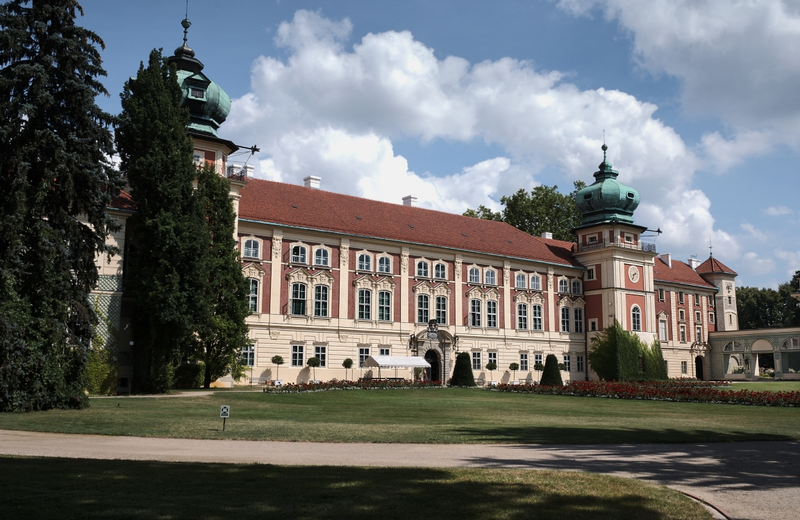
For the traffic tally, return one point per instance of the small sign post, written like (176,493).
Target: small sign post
(224,412)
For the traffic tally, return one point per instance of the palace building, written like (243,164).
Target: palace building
(334,276)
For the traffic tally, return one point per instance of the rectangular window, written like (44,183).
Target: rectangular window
(385,351)
(536,283)
(683,367)
(680,297)
(681,315)
(491,314)
(593,325)
(298,299)
(363,354)
(579,363)
(698,334)
(564,319)
(321,301)
(661,297)
(730,300)
(567,365)
(683,333)
(662,330)
(297,355)
(493,358)
(441,310)
(520,281)
(422,308)
(384,306)
(475,313)
(252,298)
(696,299)
(536,312)
(321,353)
(248,355)
(522,316)
(523,361)
(537,359)
(439,271)
(364,304)
(697,317)
(711,317)
(590,273)
(476,361)
(578,320)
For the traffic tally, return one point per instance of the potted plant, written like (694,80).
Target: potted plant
(491,366)
(514,367)
(313,362)
(278,361)
(347,364)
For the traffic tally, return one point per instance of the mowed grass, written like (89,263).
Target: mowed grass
(88,489)
(768,386)
(418,416)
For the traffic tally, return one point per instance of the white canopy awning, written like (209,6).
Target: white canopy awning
(396,362)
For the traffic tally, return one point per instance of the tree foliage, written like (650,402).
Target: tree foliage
(619,355)
(55,184)
(462,371)
(551,375)
(761,308)
(544,209)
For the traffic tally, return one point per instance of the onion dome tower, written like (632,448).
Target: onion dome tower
(208,104)
(607,200)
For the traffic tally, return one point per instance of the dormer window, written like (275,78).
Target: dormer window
(197,93)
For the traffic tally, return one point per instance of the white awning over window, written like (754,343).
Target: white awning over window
(396,362)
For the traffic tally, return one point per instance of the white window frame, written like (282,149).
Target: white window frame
(684,368)
(590,273)
(440,271)
(662,330)
(563,286)
(476,361)
(698,334)
(522,316)
(423,269)
(536,282)
(661,296)
(321,353)
(441,310)
(384,307)
(423,308)
(537,318)
(711,317)
(253,250)
(298,355)
(578,319)
(249,355)
(363,354)
(474,275)
(636,318)
(567,363)
(579,363)
(385,351)
(322,257)
(299,254)
(491,314)
(523,361)
(321,301)
(364,309)
(252,295)
(576,287)
(492,358)
(682,332)
(520,281)
(538,359)
(490,277)
(364,262)
(299,298)
(565,319)
(475,311)
(384,264)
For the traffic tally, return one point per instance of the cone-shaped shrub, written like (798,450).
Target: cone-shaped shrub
(551,375)
(462,373)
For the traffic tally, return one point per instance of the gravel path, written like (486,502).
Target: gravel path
(747,480)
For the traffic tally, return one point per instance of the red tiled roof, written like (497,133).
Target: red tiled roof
(679,273)
(298,206)
(712,265)
(123,201)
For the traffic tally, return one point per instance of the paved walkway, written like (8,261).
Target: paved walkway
(748,480)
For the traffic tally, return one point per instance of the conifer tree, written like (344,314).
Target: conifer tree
(462,372)
(551,375)
(55,184)
(169,231)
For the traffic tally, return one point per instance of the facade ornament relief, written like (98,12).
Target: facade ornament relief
(404,262)
(276,246)
(252,271)
(458,270)
(506,275)
(344,255)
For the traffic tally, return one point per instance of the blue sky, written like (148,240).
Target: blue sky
(460,104)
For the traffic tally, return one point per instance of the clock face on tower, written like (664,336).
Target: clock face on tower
(633,274)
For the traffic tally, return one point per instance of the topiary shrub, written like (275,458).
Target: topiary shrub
(551,375)
(619,355)
(462,373)
(189,375)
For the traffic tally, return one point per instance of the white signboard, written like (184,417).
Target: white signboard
(225,411)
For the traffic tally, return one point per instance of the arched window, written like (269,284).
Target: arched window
(423,309)
(251,248)
(298,255)
(491,277)
(563,286)
(536,282)
(578,320)
(298,299)
(321,301)
(422,269)
(474,275)
(441,310)
(364,262)
(475,313)
(564,319)
(321,257)
(440,271)
(576,287)
(385,306)
(790,343)
(491,314)
(384,265)
(522,316)
(636,318)
(536,315)
(252,296)
(364,304)
(520,281)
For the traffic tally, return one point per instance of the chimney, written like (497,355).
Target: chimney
(312,181)
(248,170)
(409,200)
(693,263)
(548,235)
(667,258)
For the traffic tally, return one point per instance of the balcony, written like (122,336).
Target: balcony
(641,246)
(238,171)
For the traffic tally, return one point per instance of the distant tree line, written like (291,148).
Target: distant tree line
(761,308)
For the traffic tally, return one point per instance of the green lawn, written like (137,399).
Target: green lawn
(89,489)
(768,386)
(424,416)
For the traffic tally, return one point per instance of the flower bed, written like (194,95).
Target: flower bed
(674,390)
(365,384)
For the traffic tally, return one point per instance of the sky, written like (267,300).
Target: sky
(459,104)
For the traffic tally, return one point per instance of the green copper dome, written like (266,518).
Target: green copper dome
(208,104)
(607,199)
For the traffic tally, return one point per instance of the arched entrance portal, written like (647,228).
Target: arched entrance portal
(434,372)
(698,368)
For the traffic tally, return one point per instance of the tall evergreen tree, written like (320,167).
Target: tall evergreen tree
(222,331)
(169,231)
(55,184)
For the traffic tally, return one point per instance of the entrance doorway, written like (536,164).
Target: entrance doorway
(766,366)
(434,372)
(698,368)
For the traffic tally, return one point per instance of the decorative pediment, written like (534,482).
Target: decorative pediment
(529,297)
(251,270)
(662,315)
(380,283)
(433,289)
(488,294)
(303,275)
(571,301)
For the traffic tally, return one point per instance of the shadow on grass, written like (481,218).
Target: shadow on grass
(78,488)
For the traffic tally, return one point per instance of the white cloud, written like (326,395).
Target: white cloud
(737,59)
(721,153)
(754,233)
(778,211)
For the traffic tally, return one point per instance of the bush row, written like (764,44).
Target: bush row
(683,391)
(366,384)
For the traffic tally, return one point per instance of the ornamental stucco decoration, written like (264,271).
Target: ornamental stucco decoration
(404,262)
(276,247)
(344,255)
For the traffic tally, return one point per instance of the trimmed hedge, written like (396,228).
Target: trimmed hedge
(462,372)
(551,375)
